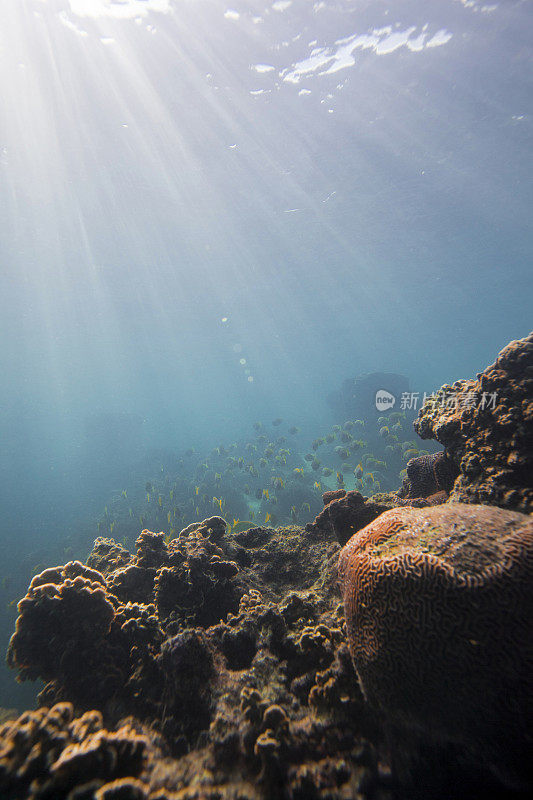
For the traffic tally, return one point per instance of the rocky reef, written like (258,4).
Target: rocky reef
(222,664)
(486,426)
(192,667)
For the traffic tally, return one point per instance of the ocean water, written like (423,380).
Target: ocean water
(212,215)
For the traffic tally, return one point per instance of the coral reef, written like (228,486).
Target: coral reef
(52,755)
(217,663)
(428,476)
(486,426)
(345,513)
(249,686)
(439,604)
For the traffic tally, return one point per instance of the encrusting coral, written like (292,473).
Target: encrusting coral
(486,426)
(248,685)
(52,755)
(439,603)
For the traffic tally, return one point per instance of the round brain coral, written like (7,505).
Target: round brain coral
(439,610)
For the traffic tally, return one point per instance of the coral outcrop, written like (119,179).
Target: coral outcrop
(345,513)
(246,684)
(52,755)
(439,604)
(486,426)
(430,477)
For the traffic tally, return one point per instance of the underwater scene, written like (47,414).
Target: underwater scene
(266,400)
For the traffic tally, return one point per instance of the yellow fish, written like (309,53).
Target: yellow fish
(265,493)
(160,501)
(147,497)
(298,469)
(169,517)
(267,517)
(197,511)
(112,527)
(252,515)
(196,489)
(243,524)
(124,493)
(318,485)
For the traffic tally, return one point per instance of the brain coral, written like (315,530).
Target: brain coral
(486,426)
(439,610)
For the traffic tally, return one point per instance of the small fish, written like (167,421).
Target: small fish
(267,517)
(169,517)
(277,422)
(358,471)
(172,494)
(197,511)
(243,524)
(124,493)
(265,493)
(112,527)
(131,512)
(294,430)
(411,453)
(298,470)
(318,485)
(196,489)
(160,501)
(147,497)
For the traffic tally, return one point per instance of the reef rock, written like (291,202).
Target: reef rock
(47,753)
(346,512)
(486,426)
(430,477)
(439,610)
(247,685)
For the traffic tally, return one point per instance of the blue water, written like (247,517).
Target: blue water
(321,190)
